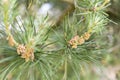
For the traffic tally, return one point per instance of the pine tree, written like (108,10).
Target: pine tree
(38,47)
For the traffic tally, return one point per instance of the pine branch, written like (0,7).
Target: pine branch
(34,50)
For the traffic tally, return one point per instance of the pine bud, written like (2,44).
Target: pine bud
(26,52)
(81,40)
(86,35)
(74,46)
(74,41)
(11,40)
(21,49)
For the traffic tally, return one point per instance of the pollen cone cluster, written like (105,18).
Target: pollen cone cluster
(76,40)
(26,52)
